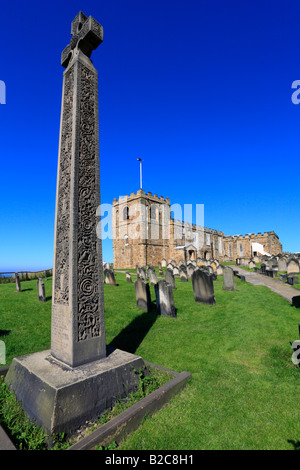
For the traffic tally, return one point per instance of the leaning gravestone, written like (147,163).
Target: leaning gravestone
(164,299)
(203,287)
(128,277)
(169,277)
(143,274)
(75,381)
(228,279)
(41,290)
(142,294)
(109,277)
(152,276)
(18,283)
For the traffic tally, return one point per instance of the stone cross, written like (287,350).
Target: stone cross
(78,327)
(87,35)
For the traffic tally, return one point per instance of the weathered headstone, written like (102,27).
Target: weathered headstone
(152,276)
(128,277)
(220,270)
(143,274)
(142,294)
(164,299)
(292,280)
(282,264)
(170,267)
(163,263)
(292,266)
(176,271)
(190,270)
(109,277)
(251,264)
(263,268)
(41,290)
(203,287)
(183,273)
(18,283)
(169,277)
(228,279)
(76,380)
(282,277)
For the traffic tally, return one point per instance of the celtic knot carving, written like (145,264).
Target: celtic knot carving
(61,288)
(88,281)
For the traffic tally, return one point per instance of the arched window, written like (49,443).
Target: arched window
(126,213)
(154,212)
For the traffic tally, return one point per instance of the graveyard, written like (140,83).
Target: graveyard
(185,344)
(237,351)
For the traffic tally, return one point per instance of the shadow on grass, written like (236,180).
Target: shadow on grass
(295,444)
(133,334)
(4,333)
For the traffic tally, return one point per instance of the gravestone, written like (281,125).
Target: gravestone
(296,303)
(190,270)
(41,290)
(292,266)
(152,276)
(109,277)
(176,271)
(263,268)
(220,270)
(164,299)
(282,266)
(183,273)
(18,283)
(163,263)
(160,272)
(282,277)
(128,277)
(228,279)
(79,378)
(142,294)
(169,277)
(170,267)
(292,280)
(251,264)
(203,287)
(143,274)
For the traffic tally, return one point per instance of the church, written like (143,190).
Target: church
(145,233)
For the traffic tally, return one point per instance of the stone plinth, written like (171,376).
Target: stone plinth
(61,399)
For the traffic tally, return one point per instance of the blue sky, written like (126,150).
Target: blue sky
(199,89)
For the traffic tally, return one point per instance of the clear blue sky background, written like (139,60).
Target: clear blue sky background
(199,89)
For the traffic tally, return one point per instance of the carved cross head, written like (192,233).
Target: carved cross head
(87,35)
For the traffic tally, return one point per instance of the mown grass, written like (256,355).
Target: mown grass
(244,388)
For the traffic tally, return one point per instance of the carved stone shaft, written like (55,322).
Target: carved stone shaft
(78,327)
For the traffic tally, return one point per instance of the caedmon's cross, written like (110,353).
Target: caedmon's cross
(87,35)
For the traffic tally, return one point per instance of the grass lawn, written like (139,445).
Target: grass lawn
(244,388)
